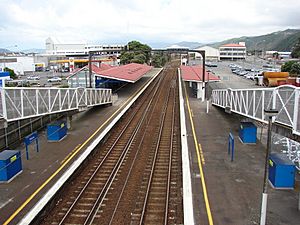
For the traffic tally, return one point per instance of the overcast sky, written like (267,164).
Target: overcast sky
(27,23)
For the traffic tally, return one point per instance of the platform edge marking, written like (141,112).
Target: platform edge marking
(205,195)
(188,209)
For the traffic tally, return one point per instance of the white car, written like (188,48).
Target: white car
(54,79)
(33,78)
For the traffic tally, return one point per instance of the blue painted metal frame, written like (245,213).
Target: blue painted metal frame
(231,145)
(29,139)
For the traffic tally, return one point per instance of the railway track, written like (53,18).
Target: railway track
(141,152)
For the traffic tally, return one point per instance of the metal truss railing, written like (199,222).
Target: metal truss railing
(252,102)
(22,103)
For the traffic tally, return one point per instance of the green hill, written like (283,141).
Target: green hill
(277,41)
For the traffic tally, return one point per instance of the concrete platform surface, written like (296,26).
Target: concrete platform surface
(234,189)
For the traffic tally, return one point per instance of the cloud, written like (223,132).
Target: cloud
(29,22)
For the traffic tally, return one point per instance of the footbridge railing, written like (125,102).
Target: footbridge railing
(22,103)
(252,102)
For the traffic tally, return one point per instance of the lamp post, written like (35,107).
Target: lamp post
(270,113)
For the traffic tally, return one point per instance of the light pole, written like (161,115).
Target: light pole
(270,113)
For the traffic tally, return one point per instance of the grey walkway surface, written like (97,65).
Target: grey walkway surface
(234,188)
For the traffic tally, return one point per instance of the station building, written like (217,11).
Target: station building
(233,51)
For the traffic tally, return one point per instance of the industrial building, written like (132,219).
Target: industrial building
(81,48)
(210,53)
(233,51)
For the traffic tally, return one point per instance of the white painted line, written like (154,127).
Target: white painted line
(59,183)
(188,210)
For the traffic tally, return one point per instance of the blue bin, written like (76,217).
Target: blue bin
(57,130)
(247,132)
(281,171)
(10,165)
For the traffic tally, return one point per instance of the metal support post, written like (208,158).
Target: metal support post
(69,122)
(90,69)
(270,113)
(27,154)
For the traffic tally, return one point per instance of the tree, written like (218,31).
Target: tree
(12,73)
(136,52)
(286,67)
(140,58)
(158,60)
(296,50)
(126,57)
(295,69)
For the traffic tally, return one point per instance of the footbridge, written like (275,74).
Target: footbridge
(251,103)
(22,103)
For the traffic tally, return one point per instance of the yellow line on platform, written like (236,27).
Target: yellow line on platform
(205,195)
(66,162)
(201,154)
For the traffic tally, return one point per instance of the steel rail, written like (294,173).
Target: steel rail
(154,159)
(134,160)
(170,161)
(103,160)
(90,218)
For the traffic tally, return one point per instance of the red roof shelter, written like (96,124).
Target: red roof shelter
(95,68)
(130,73)
(194,73)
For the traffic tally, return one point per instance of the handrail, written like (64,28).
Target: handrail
(21,103)
(252,102)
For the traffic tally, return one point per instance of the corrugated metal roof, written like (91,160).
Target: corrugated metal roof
(194,73)
(95,69)
(130,73)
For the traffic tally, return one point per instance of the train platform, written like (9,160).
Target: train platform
(45,167)
(225,191)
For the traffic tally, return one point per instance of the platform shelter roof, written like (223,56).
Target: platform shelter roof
(129,73)
(195,74)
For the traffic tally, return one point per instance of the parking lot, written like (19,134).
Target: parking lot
(41,79)
(246,78)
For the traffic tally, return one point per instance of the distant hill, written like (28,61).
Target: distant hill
(277,41)
(190,45)
(33,50)
(3,50)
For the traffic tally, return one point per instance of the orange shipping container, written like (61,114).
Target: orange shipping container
(276,74)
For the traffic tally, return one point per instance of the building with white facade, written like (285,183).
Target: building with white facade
(58,48)
(19,63)
(210,53)
(233,51)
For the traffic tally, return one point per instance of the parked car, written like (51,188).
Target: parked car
(33,77)
(250,75)
(54,79)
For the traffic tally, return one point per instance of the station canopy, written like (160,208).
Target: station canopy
(195,74)
(129,73)
(95,68)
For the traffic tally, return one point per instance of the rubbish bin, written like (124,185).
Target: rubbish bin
(281,171)
(10,165)
(247,133)
(56,131)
